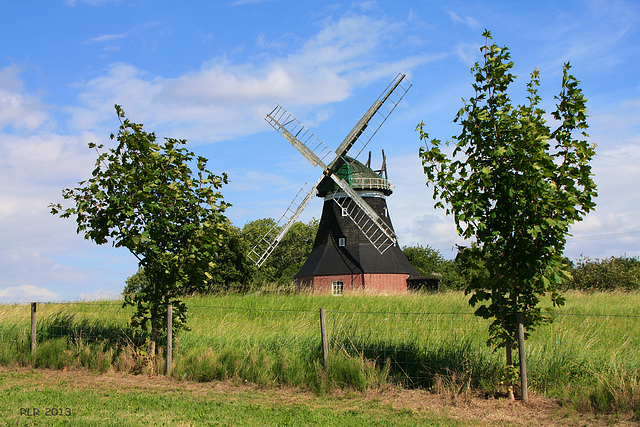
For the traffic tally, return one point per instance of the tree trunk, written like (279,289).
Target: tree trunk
(509,365)
(152,342)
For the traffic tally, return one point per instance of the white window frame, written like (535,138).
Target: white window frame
(337,288)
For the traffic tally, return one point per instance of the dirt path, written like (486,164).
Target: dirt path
(539,411)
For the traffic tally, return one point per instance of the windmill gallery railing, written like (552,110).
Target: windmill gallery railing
(370,183)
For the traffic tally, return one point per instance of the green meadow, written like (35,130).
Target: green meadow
(587,357)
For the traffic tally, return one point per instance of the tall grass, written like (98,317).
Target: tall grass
(588,357)
(94,336)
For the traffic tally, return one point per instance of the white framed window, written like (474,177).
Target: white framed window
(342,241)
(344,211)
(337,287)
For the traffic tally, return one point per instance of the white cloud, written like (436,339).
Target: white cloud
(100,295)
(223,99)
(468,53)
(614,227)
(27,293)
(33,168)
(122,84)
(414,217)
(18,111)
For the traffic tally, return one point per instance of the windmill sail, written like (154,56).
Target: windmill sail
(372,226)
(261,251)
(368,126)
(289,124)
(300,137)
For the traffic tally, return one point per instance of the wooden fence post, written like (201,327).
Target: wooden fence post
(33,328)
(169,338)
(323,332)
(523,360)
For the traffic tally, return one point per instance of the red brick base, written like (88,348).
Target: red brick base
(370,283)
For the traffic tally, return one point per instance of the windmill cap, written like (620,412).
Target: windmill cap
(359,177)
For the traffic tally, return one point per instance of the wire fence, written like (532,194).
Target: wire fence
(87,321)
(411,345)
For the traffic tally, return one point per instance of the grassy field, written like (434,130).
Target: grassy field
(588,357)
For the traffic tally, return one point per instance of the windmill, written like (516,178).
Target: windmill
(356,246)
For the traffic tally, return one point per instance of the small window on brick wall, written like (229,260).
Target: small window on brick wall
(337,287)
(342,241)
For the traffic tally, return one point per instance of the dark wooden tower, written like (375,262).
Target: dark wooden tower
(343,259)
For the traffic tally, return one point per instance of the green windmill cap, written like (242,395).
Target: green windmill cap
(359,176)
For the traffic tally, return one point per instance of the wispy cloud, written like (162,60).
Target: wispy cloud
(466,20)
(100,295)
(106,38)
(18,110)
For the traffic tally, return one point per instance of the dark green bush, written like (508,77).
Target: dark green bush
(608,274)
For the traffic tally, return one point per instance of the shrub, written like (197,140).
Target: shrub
(614,273)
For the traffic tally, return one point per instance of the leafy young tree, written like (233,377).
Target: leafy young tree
(143,196)
(515,186)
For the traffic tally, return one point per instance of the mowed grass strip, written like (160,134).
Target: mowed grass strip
(80,398)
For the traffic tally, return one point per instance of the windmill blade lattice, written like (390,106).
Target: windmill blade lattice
(300,137)
(370,123)
(372,226)
(291,129)
(268,243)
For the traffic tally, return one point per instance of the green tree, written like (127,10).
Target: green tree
(424,259)
(515,186)
(234,271)
(135,283)
(144,197)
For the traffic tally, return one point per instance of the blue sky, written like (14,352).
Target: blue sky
(210,71)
